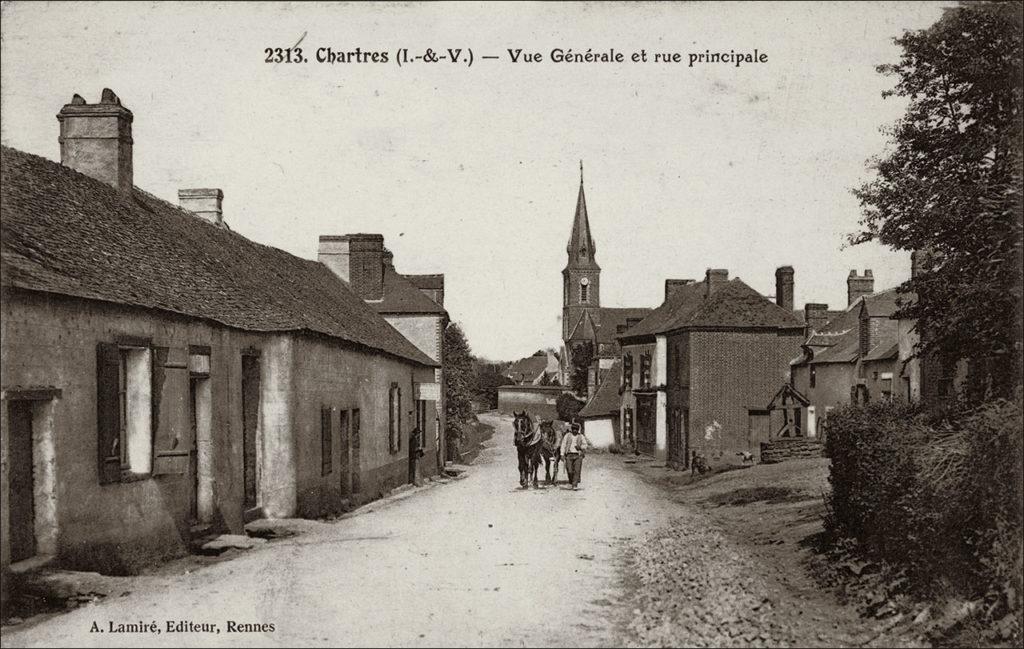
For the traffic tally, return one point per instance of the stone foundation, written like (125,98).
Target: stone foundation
(790,448)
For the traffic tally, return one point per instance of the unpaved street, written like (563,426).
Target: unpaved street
(474,562)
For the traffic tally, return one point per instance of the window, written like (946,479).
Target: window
(395,418)
(326,441)
(814,375)
(584,292)
(886,387)
(124,409)
(645,370)
(627,371)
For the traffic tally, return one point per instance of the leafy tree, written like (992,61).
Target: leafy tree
(459,379)
(582,357)
(951,187)
(489,377)
(568,406)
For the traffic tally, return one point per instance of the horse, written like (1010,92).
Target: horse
(551,450)
(528,443)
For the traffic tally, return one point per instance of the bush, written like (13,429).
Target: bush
(568,406)
(939,498)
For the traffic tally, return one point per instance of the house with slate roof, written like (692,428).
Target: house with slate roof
(863,354)
(600,415)
(699,371)
(165,378)
(540,369)
(585,323)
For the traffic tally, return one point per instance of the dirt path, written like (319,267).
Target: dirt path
(475,562)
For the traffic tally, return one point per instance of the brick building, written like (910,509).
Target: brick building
(164,378)
(699,371)
(861,354)
(586,325)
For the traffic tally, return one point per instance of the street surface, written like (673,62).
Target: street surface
(474,562)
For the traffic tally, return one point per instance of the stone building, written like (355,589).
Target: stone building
(412,304)
(587,327)
(164,378)
(699,371)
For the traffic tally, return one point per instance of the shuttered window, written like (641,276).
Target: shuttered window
(126,412)
(326,441)
(395,418)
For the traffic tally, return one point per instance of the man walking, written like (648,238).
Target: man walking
(574,446)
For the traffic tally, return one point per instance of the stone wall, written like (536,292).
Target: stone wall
(783,449)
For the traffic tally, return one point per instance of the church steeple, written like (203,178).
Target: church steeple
(581,248)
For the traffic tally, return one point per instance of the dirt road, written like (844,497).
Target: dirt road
(475,562)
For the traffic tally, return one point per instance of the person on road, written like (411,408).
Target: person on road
(574,447)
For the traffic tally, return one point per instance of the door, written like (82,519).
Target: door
(22,485)
(345,444)
(356,461)
(193,455)
(250,414)
(758,430)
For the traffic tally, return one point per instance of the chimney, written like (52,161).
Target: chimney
(332,252)
(816,316)
(205,203)
(673,285)
(784,287)
(713,279)
(389,259)
(366,265)
(858,285)
(96,139)
(868,332)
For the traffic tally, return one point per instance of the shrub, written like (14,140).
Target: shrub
(568,406)
(940,498)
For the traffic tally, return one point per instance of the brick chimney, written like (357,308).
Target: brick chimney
(713,280)
(96,139)
(858,285)
(366,265)
(205,203)
(784,287)
(816,316)
(673,285)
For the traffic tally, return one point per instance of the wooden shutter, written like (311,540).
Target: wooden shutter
(326,440)
(357,463)
(172,426)
(108,433)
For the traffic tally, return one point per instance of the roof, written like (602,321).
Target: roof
(428,282)
(602,323)
(839,340)
(530,367)
(606,401)
(732,304)
(402,296)
(69,234)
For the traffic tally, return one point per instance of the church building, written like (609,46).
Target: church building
(589,330)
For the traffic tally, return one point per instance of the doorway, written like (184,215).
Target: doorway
(250,418)
(22,481)
(201,453)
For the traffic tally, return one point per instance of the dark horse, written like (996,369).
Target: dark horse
(551,450)
(528,444)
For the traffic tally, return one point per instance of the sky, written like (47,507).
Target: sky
(473,170)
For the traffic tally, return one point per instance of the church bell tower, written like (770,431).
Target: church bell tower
(581,278)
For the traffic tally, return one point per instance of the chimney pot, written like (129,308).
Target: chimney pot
(673,285)
(205,203)
(96,139)
(859,285)
(713,279)
(784,287)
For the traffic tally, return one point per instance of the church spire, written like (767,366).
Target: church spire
(581,248)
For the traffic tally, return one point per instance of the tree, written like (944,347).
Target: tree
(489,377)
(582,357)
(568,406)
(459,379)
(951,188)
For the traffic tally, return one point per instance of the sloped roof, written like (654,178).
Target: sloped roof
(839,340)
(607,400)
(733,304)
(530,367)
(66,233)
(581,248)
(401,296)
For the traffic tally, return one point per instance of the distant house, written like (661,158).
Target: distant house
(699,371)
(863,354)
(164,377)
(600,414)
(540,369)
(412,304)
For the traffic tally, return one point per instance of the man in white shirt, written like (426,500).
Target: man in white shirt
(574,447)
